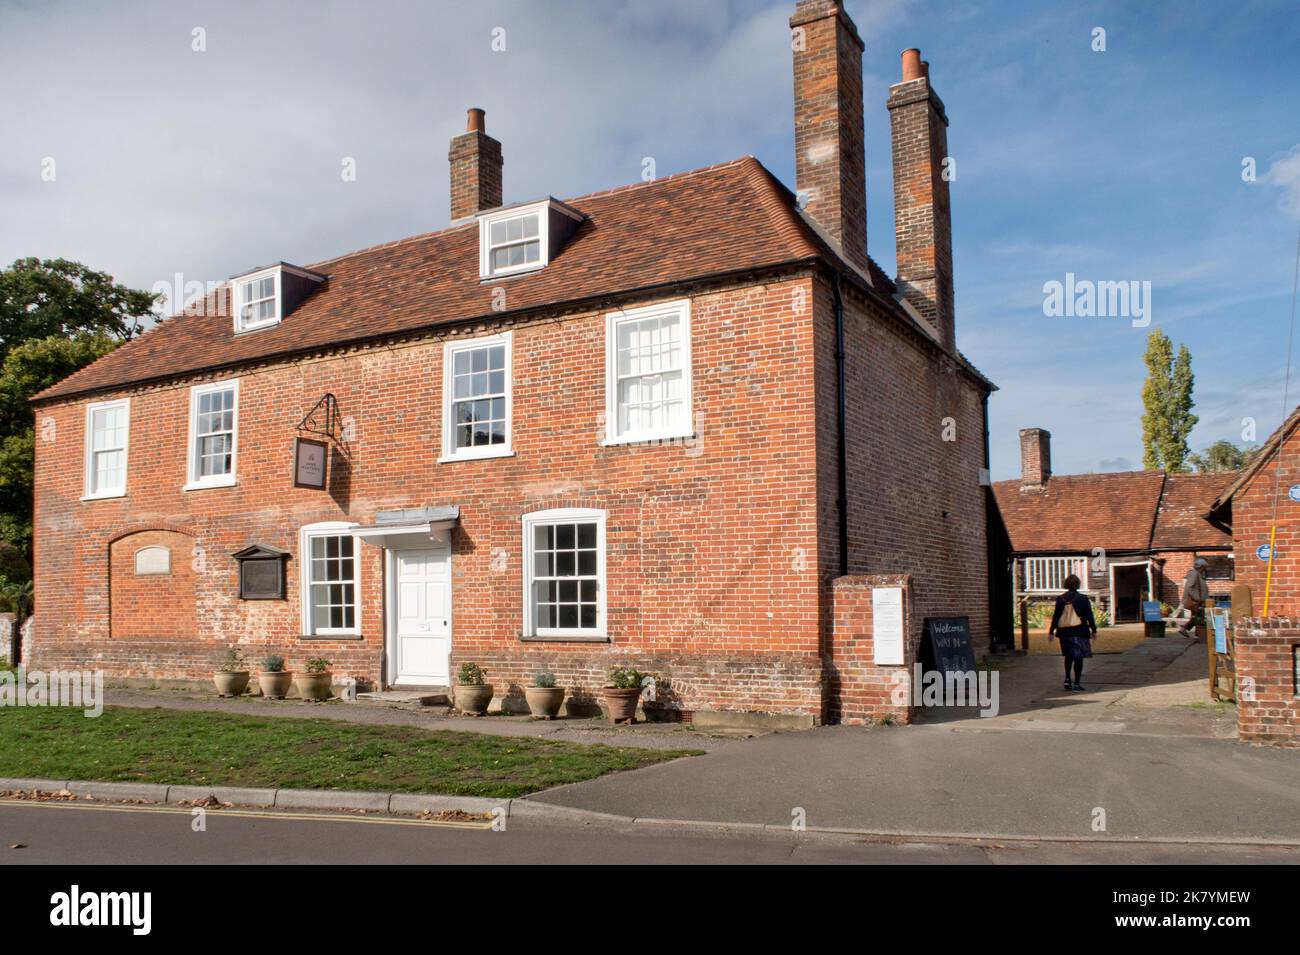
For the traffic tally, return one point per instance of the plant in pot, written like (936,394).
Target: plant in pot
(231,676)
(274,679)
(472,693)
(544,697)
(314,682)
(622,693)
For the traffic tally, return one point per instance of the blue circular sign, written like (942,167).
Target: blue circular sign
(1262,552)
(1294,492)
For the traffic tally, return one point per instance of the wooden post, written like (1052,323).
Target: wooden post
(1024,624)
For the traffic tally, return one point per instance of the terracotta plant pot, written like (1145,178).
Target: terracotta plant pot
(275,686)
(544,702)
(621,703)
(473,699)
(314,686)
(230,682)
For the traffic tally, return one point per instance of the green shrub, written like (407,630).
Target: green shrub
(544,680)
(317,665)
(471,674)
(626,678)
(232,662)
(273,663)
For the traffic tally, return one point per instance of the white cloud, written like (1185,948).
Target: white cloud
(1284,175)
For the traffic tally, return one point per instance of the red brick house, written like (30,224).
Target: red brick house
(1125,534)
(646,427)
(1267,493)
(1261,507)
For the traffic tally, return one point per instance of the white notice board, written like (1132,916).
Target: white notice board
(887,625)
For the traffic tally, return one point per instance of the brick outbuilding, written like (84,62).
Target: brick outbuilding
(644,427)
(1128,535)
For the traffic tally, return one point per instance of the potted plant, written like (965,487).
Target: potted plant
(231,676)
(314,683)
(274,679)
(622,693)
(544,697)
(472,693)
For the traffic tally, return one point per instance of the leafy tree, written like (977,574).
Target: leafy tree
(56,317)
(27,369)
(40,298)
(1167,417)
(1221,456)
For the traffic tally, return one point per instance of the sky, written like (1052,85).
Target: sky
(202,139)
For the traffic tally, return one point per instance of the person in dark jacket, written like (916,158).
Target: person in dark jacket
(1075,627)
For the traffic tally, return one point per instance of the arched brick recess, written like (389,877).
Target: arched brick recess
(156,605)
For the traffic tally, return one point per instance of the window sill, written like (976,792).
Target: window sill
(485,278)
(648,438)
(567,638)
(477,455)
(349,635)
(249,329)
(103,496)
(204,485)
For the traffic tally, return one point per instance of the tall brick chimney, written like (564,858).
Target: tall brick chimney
(1035,457)
(475,159)
(830,157)
(922,213)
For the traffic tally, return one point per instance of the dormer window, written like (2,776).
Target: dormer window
(263,297)
(515,244)
(523,238)
(257,301)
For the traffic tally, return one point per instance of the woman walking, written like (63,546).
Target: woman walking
(1074,623)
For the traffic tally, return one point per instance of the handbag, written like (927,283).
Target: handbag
(1069,616)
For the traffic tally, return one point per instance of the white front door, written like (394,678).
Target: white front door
(422,616)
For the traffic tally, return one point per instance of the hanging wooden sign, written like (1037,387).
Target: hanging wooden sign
(309,463)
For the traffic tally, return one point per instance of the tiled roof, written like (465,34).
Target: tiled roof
(1180,523)
(728,218)
(1117,511)
(1077,512)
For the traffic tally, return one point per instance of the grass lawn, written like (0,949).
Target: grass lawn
(125,744)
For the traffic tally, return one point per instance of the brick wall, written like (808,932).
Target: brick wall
(916,506)
(713,579)
(1253,513)
(1268,701)
(860,691)
(151,605)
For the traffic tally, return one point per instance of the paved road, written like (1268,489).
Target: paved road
(55,833)
(937,779)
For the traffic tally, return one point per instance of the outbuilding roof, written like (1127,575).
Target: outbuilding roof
(1119,511)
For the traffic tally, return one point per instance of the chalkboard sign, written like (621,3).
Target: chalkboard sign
(946,645)
(1152,611)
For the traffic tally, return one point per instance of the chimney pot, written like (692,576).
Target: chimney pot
(912,68)
(475,160)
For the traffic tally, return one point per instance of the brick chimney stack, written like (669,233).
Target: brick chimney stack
(1035,457)
(922,213)
(475,159)
(829,143)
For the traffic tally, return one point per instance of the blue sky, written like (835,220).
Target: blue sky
(1123,164)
